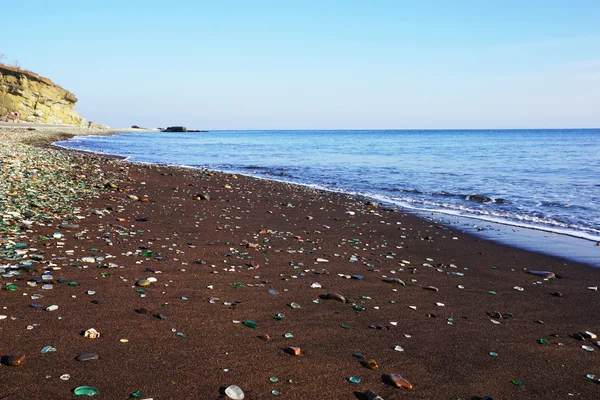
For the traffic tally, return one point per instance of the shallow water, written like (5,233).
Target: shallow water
(544,179)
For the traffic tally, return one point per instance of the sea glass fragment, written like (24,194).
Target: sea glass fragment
(542,341)
(295,305)
(47,349)
(86,391)
(250,324)
(517,383)
(273,379)
(354,379)
(493,354)
(234,392)
(136,395)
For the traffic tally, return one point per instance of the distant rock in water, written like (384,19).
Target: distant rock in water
(180,129)
(176,129)
(35,99)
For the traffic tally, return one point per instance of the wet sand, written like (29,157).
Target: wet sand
(215,261)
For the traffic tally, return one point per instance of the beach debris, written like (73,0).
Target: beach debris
(14,360)
(397,380)
(370,395)
(333,296)
(354,379)
(86,357)
(234,392)
(86,391)
(295,351)
(543,274)
(397,281)
(91,333)
(372,365)
(47,349)
(250,324)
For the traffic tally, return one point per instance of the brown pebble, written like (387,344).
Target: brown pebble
(15,360)
(398,381)
(265,337)
(295,351)
(333,296)
(432,288)
(372,365)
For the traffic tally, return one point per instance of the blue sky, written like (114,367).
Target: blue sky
(317,64)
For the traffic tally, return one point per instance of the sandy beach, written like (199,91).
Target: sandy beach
(198,280)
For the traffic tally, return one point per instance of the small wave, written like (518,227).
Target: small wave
(255,168)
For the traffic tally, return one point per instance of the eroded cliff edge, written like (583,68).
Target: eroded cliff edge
(37,99)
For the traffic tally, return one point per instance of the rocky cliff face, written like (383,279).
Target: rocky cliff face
(35,98)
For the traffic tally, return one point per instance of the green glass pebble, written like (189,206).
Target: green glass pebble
(141,291)
(493,354)
(274,379)
(12,288)
(359,308)
(181,335)
(517,383)
(288,335)
(542,341)
(354,379)
(136,395)
(72,283)
(47,349)
(86,391)
(345,326)
(62,280)
(250,324)
(275,392)
(491,292)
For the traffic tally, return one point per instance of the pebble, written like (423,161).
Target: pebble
(398,381)
(91,333)
(234,392)
(543,274)
(333,296)
(86,357)
(295,351)
(15,360)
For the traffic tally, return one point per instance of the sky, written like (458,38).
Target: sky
(337,64)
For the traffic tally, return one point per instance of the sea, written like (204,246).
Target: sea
(537,189)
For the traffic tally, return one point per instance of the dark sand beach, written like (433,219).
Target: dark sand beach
(490,329)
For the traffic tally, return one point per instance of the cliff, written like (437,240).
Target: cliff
(35,98)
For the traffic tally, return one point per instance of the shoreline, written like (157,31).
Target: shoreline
(569,245)
(214,262)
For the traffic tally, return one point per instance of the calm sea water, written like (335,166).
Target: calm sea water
(546,179)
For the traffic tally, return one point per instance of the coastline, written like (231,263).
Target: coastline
(204,243)
(569,244)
